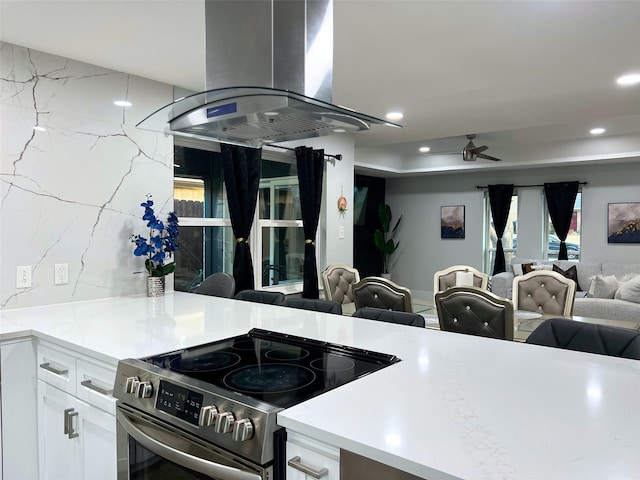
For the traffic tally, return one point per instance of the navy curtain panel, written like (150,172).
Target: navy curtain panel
(310,165)
(241,169)
(561,198)
(500,202)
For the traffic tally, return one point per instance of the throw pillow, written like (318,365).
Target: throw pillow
(572,273)
(603,287)
(522,268)
(630,291)
(464,279)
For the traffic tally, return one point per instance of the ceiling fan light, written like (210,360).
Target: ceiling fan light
(424,149)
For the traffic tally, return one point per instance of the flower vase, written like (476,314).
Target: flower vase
(155,286)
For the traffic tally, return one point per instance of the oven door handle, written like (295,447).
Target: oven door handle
(200,465)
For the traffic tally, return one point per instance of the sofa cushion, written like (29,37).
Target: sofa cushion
(603,287)
(630,291)
(607,309)
(571,273)
(586,270)
(522,268)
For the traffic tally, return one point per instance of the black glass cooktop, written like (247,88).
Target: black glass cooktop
(273,367)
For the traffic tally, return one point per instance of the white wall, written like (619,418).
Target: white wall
(419,199)
(72,194)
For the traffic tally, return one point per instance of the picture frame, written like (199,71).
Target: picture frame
(623,222)
(452,222)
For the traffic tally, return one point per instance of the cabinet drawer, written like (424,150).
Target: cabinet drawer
(308,459)
(57,368)
(95,385)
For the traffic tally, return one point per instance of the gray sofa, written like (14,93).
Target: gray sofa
(586,304)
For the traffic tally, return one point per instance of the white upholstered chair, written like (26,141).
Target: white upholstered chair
(544,291)
(459,276)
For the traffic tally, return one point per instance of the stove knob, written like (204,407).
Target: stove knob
(131,384)
(144,390)
(207,416)
(224,422)
(242,430)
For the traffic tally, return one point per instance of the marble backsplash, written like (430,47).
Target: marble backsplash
(71,193)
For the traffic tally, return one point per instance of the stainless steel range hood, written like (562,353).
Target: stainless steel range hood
(281,47)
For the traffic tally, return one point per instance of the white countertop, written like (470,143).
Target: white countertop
(456,406)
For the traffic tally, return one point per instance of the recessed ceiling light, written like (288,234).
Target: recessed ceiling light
(597,131)
(424,149)
(339,130)
(628,80)
(122,103)
(394,116)
(271,114)
(39,128)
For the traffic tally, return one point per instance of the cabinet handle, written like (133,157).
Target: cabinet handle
(296,462)
(69,413)
(47,366)
(95,387)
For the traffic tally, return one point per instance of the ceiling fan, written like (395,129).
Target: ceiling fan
(470,153)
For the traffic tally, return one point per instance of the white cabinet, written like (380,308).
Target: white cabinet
(76,416)
(18,402)
(309,459)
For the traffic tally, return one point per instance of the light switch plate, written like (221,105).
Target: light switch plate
(23,277)
(341,231)
(61,273)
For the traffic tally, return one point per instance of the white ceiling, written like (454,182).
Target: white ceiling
(519,70)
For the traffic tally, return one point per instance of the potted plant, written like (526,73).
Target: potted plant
(383,238)
(157,248)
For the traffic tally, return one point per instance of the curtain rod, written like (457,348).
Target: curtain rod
(337,156)
(480,187)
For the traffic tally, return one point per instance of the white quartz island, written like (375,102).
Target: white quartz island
(456,406)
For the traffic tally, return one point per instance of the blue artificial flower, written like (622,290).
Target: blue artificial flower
(161,243)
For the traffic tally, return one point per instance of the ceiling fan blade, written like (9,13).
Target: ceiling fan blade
(487,157)
(480,149)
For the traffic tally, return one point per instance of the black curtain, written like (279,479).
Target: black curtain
(500,202)
(310,165)
(561,198)
(241,167)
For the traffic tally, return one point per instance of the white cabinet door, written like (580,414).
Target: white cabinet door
(307,455)
(59,455)
(88,448)
(97,431)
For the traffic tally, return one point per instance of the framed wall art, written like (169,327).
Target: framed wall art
(623,222)
(452,221)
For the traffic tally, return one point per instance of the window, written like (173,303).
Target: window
(552,249)
(207,243)
(509,239)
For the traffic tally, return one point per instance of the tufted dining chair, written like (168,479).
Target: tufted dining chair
(391,316)
(337,280)
(379,292)
(260,296)
(475,311)
(459,276)
(587,337)
(544,291)
(317,305)
(218,284)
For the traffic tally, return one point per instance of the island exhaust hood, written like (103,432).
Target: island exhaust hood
(280,47)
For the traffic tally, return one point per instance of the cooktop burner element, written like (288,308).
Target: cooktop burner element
(204,363)
(270,378)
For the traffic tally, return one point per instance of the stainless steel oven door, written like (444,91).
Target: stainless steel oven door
(151,449)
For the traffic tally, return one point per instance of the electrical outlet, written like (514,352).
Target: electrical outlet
(23,277)
(61,273)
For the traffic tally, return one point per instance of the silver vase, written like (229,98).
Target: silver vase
(155,286)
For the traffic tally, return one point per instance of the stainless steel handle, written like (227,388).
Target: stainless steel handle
(296,462)
(97,388)
(200,465)
(47,366)
(69,413)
